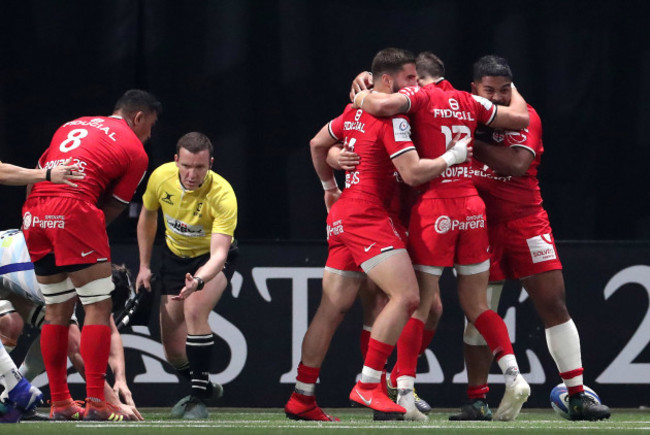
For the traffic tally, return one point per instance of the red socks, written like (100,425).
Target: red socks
(495,332)
(408,346)
(54,347)
(95,348)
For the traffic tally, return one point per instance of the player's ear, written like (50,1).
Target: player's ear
(176,158)
(138,118)
(211,161)
(474,88)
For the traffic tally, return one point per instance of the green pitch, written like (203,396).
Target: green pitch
(353,421)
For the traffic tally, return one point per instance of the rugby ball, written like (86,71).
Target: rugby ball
(560,399)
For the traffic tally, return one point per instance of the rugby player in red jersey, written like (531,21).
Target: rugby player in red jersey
(521,246)
(430,70)
(65,231)
(363,237)
(447,226)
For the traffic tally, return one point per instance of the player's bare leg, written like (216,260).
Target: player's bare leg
(393,273)
(472,287)
(478,360)
(547,292)
(339,293)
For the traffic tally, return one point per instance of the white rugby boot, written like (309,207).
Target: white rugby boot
(517,392)
(406,399)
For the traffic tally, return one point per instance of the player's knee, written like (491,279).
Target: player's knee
(96,291)
(472,337)
(58,292)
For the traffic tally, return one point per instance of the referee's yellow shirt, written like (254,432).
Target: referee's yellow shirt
(191,216)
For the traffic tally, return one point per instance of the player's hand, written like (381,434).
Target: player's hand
(143,279)
(190,287)
(331,196)
(65,172)
(131,412)
(458,150)
(360,83)
(348,160)
(122,391)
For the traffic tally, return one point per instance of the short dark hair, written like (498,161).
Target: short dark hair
(194,142)
(493,66)
(428,65)
(391,61)
(136,100)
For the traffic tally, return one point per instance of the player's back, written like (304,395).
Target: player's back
(437,117)
(104,148)
(376,141)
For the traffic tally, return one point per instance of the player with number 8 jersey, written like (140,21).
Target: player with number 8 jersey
(65,231)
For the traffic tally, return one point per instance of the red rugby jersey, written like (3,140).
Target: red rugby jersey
(508,197)
(106,150)
(376,141)
(437,116)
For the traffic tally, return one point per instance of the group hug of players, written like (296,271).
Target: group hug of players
(473,203)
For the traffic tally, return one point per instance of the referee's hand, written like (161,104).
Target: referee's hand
(190,287)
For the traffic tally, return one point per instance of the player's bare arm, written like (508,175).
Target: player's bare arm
(146,231)
(513,161)
(415,171)
(512,117)
(380,104)
(112,208)
(12,175)
(319,146)
(219,246)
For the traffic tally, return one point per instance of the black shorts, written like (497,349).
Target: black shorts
(174,268)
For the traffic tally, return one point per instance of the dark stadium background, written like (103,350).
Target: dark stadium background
(261,77)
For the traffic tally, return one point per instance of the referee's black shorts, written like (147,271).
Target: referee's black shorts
(174,268)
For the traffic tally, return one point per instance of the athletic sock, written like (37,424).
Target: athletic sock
(199,354)
(184,371)
(375,361)
(427,337)
(495,332)
(564,345)
(306,380)
(54,348)
(95,348)
(477,392)
(9,374)
(408,345)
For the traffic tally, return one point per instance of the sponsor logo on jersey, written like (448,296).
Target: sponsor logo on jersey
(351,178)
(184,229)
(444,224)
(354,125)
(167,198)
(490,174)
(541,248)
(97,123)
(335,229)
(517,136)
(48,221)
(462,115)
(401,130)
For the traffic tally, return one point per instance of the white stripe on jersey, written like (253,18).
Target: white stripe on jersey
(13,250)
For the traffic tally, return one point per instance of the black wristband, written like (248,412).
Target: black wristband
(48,174)
(200,282)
